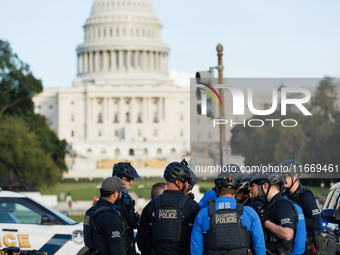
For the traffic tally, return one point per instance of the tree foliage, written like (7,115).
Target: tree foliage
(30,152)
(318,136)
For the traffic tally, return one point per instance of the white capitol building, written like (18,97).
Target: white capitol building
(122,105)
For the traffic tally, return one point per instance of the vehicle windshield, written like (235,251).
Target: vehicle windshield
(68,220)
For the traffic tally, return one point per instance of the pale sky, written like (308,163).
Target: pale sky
(260,38)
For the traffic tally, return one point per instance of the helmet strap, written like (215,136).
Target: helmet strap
(293,182)
(179,187)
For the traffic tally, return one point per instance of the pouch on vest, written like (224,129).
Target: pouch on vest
(272,238)
(168,225)
(226,230)
(95,241)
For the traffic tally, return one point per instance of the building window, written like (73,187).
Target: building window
(155,101)
(103,151)
(117,153)
(127,119)
(173,151)
(155,132)
(181,117)
(100,102)
(72,117)
(117,32)
(116,117)
(155,117)
(131,152)
(145,152)
(116,101)
(72,102)
(139,117)
(99,132)
(50,121)
(181,132)
(72,133)
(51,106)
(209,135)
(159,151)
(139,132)
(100,118)
(39,106)
(116,132)
(89,150)
(127,101)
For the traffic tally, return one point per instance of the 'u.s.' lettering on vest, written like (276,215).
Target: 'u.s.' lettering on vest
(225,218)
(167,214)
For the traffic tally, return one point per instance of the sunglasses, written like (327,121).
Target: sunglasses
(128,179)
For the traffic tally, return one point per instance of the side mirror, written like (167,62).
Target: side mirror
(65,213)
(47,219)
(328,215)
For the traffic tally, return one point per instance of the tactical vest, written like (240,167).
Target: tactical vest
(272,238)
(95,241)
(226,231)
(169,225)
(296,194)
(127,210)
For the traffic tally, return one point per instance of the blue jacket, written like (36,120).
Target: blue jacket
(211,194)
(301,232)
(249,219)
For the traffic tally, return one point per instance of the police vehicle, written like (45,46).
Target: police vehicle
(30,225)
(329,237)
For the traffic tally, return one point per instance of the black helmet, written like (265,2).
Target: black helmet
(124,169)
(290,167)
(178,171)
(271,178)
(257,179)
(229,180)
(245,181)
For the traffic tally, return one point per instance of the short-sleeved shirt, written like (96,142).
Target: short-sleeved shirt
(249,219)
(282,214)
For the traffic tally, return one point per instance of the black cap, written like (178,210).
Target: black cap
(114,184)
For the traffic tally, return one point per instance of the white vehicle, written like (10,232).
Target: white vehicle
(30,225)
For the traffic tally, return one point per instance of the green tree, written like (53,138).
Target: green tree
(30,151)
(269,145)
(17,83)
(318,136)
(22,156)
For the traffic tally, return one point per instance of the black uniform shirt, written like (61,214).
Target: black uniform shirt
(281,214)
(146,243)
(108,224)
(311,211)
(257,203)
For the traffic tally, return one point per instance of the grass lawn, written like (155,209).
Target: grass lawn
(87,190)
(77,218)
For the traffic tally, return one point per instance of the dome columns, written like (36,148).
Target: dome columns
(122,60)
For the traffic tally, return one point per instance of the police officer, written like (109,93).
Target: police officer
(166,221)
(243,194)
(305,199)
(226,227)
(104,227)
(212,194)
(126,172)
(279,217)
(257,200)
